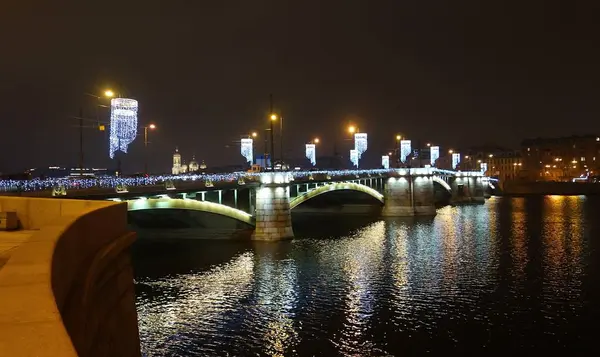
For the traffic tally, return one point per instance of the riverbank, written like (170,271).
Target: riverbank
(550,188)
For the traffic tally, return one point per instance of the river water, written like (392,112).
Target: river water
(513,275)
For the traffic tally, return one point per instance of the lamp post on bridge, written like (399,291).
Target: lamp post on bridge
(151,127)
(107,94)
(398,148)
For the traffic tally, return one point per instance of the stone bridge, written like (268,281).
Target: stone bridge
(266,203)
(265,200)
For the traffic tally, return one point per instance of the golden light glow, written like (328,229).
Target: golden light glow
(273,117)
(352,129)
(428,144)
(450,151)
(398,137)
(390,153)
(491,155)
(109,93)
(316,141)
(152,126)
(254,134)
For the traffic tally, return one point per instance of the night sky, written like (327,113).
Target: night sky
(455,73)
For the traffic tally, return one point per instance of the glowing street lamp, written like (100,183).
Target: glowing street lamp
(254,134)
(450,151)
(109,93)
(399,141)
(316,140)
(352,129)
(151,127)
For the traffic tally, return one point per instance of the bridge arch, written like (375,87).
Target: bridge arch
(188,204)
(443,183)
(336,186)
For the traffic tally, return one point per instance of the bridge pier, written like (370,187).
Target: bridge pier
(272,213)
(467,189)
(409,193)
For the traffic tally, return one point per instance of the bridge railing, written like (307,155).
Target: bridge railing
(107,182)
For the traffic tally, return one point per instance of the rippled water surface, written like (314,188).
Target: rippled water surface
(514,274)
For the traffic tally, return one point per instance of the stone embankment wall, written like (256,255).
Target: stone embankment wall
(68,289)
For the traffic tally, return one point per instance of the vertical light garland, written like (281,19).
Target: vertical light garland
(455,160)
(246,150)
(434,154)
(354,157)
(385,161)
(405,149)
(360,143)
(123,124)
(311,153)
(484,167)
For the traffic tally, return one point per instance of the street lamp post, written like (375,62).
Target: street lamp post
(108,94)
(152,127)
(273,117)
(253,135)
(272,154)
(398,148)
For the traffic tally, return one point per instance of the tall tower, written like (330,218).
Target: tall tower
(176,162)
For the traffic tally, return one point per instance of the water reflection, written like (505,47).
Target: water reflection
(275,299)
(511,275)
(167,307)
(562,237)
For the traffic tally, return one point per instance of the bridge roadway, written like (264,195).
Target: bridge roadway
(265,200)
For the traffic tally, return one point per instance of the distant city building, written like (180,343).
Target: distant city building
(505,166)
(193,166)
(177,169)
(561,159)
(260,160)
(180,167)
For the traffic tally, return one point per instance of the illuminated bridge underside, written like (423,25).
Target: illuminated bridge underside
(443,183)
(187,204)
(336,187)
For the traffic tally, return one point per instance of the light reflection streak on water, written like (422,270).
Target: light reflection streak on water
(518,239)
(276,296)
(203,297)
(362,267)
(506,273)
(562,233)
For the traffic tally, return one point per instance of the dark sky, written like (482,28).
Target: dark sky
(457,73)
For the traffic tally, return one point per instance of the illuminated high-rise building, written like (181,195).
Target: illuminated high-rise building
(123,124)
